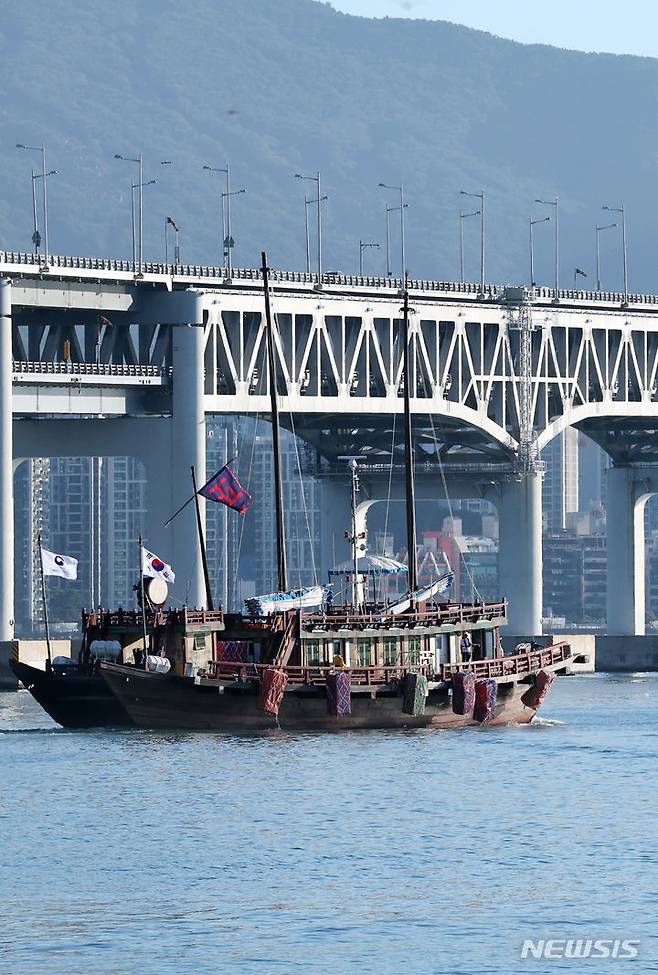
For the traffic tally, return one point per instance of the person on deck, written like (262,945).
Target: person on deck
(466,647)
(338,661)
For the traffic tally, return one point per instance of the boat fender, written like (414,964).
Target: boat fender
(339,693)
(415,695)
(535,696)
(486,692)
(63,661)
(272,688)
(463,692)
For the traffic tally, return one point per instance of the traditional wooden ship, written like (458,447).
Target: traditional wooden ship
(73,691)
(287,664)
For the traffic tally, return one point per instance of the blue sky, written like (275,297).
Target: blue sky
(630,27)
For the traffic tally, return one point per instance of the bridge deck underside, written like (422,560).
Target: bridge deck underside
(380,437)
(628,440)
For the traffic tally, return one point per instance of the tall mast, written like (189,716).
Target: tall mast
(356,602)
(276,446)
(202,543)
(409,476)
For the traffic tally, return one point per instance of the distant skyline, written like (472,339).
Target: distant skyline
(588,25)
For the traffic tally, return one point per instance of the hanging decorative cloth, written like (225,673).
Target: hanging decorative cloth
(486,692)
(415,694)
(233,651)
(535,696)
(272,687)
(339,697)
(463,692)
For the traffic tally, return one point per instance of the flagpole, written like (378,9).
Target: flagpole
(190,500)
(45,603)
(143,594)
(202,543)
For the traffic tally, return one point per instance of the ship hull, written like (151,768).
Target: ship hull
(166,701)
(75,699)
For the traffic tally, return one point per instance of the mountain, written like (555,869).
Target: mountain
(285,86)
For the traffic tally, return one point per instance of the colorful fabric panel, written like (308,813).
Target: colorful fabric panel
(535,696)
(339,698)
(415,695)
(233,651)
(486,692)
(272,687)
(463,692)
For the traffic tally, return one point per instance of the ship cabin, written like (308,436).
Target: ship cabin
(427,638)
(188,638)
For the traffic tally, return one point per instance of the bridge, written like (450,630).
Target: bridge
(102,357)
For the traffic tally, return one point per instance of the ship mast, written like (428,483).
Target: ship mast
(409,476)
(276,445)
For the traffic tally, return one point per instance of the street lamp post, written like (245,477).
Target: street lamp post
(363,244)
(479,196)
(463,216)
(623,244)
(555,203)
(533,224)
(169,221)
(139,160)
(227,239)
(308,203)
(388,237)
(320,198)
(402,207)
(229,243)
(36,236)
(44,176)
(133,187)
(607,226)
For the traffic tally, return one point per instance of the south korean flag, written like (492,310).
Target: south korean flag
(155,568)
(64,566)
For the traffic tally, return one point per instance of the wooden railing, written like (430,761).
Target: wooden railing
(458,614)
(518,664)
(103,619)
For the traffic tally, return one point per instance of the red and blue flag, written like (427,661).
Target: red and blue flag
(225,488)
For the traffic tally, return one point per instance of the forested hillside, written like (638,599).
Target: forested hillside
(282,86)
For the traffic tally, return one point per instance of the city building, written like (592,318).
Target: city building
(575,574)
(560,493)
(302,499)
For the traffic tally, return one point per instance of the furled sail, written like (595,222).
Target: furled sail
(277,602)
(370,565)
(436,588)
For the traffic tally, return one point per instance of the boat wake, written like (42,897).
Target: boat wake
(539,722)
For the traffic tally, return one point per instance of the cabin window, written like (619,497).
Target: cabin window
(364,650)
(314,653)
(413,650)
(199,641)
(390,651)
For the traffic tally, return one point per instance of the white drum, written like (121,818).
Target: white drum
(157,665)
(106,650)
(156,591)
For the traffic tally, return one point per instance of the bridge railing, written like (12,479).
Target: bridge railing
(491,292)
(89,369)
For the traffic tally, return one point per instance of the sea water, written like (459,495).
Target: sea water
(370,852)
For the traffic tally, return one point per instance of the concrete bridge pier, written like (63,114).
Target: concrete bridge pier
(169,465)
(629,489)
(520,552)
(6,484)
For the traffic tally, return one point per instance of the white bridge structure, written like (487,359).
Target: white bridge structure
(102,357)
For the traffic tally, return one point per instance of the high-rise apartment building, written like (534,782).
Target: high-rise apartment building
(560,493)
(303,512)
